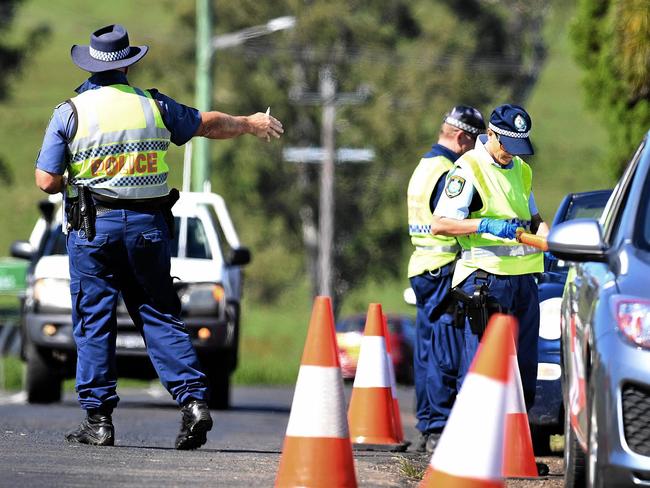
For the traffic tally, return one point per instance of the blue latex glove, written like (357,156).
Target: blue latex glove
(498,227)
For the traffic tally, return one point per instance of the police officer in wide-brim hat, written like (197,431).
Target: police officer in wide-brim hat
(488,196)
(120,224)
(109,49)
(438,344)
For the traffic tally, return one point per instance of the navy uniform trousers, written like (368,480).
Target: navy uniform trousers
(129,254)
(517,296)
(438,349)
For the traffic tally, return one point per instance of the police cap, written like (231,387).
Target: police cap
(512,124)
(466,118)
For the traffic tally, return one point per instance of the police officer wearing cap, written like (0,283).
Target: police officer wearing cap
(111,139)
(438,343)
(487,197)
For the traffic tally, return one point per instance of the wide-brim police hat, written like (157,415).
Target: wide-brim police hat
(512,124)
(109,49)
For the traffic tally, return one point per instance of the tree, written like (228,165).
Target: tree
(12,58)
(416,58)
(612,43)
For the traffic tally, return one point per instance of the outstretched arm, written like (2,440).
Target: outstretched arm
(218,125)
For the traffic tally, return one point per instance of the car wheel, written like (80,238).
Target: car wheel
(574,457)
(594,479)
(42,380)
(219,385)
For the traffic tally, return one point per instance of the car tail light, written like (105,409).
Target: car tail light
(633,317)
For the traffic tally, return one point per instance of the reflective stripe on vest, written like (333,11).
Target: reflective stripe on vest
(120,145)
(498,251)
(505,194)
(431,252)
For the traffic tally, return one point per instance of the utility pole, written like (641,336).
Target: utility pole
(206,45)
(328,97)
(204,63)
(327,91)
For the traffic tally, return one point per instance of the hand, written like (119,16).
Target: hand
(265,126)
(498,227)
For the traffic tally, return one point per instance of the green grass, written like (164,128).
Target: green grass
(11,373)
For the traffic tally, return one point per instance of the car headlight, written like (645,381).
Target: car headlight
(549,318)
(51,294)
(633,318)
(202,299)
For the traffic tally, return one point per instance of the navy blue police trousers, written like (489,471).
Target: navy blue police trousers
(130,254)
(517,296)
(438,349)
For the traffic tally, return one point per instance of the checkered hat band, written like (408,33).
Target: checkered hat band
(99,152)
(462,125)
(116,181)
(110,56)
(507,133)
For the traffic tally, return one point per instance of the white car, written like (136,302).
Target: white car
(206,265)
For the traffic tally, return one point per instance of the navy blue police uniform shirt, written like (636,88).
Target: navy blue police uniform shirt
(439,150)
(181,121)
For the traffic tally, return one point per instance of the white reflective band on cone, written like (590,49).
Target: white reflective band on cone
(316,409)
(372,366)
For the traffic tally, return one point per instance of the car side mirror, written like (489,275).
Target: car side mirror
(578,240)
(22,250)
(47,210)
(240,256)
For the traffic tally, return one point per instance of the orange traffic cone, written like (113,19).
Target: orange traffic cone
(469,453)
(519,459)
(317,451)
(371,417)
(397,416)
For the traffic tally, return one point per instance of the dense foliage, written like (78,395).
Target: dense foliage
(415,59)
(612,40)
(12,57)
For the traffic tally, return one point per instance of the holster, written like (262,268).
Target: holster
(477,308)
(81,212)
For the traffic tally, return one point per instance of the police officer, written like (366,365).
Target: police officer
(487,197)
(111,139)
(438,343)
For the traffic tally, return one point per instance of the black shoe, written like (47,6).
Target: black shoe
(420,443)
(432,442)
(96,429)
(195,424)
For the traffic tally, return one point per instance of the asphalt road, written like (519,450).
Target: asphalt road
(243,449)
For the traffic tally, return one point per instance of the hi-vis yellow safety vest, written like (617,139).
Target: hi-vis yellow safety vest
(120,144)
(431,252)
(505,194)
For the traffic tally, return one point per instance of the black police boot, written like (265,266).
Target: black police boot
(195,424)
(96,429)
(432,442)
(420,444)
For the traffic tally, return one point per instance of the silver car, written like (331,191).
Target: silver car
(606,336)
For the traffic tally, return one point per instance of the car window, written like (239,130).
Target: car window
(55,243)
(613,211)
(197,246)
(354,324)
(587,209)
(226,249)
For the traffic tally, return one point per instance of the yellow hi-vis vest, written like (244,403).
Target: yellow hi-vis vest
(431,252)
(505,194)
(120,144)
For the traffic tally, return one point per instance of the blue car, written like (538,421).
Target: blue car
(547,415)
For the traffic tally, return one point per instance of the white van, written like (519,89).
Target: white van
(206,266)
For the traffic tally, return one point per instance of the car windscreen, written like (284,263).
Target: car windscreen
(590,207)
(54,243)
(197,245)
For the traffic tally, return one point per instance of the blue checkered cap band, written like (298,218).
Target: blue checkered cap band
(508,133)
(109,56)
(462,125)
